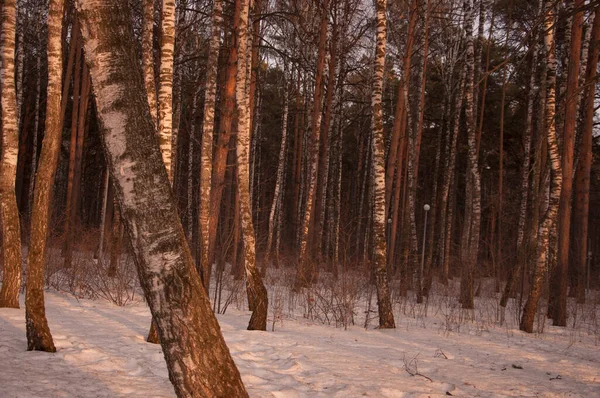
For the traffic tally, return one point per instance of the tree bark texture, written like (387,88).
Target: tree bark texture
(11,229)
(38,331)
(257,293)
(386,313)
(198,360)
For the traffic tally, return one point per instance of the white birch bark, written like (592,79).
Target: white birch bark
(165,91)
(550,216)
(206,159)
(256,290)
(148,57)
(198,360)
(386,315)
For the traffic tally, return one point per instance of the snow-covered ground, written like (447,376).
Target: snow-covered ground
(102,353)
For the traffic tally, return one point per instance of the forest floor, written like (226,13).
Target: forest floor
(101,352)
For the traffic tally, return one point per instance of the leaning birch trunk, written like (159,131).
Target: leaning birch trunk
(471,231)
(11,229)
(275,206)
(257,294)
(148,57)
(386,314)
(582,175)
(551,214)
(34,135)
(198,360)
(38,332)
(206,159)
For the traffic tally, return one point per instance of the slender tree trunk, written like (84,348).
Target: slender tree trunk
(525,172)
(414,155)
(306,273)
(399,128)
(470,233)
(11,229)
(564,211)
(198,360)
(219,164)
(551,214)
(386,314)
(165,92)
(257,294)
(34,136)
(276,205)
(582,174)
(38,332)
(148,57)
(206,165)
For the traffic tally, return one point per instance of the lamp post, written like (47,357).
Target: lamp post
(426,208)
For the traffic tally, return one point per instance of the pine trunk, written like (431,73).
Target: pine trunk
(564,211)
(11,229)
(38,332)
(582,174)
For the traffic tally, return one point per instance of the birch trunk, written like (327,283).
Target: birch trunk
(257,294)
(34,136)
(198,360)
(38,332)
(386,314)
(165,91)
(472,224)
(207,138)
(551,213)
(276,205)
(11,230)
(525,172)
(148,57)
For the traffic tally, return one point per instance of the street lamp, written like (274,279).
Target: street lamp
(426,208)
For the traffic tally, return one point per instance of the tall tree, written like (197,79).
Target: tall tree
(568,145)
(257,293)
(471,226)
(207,139)
(38,332)
(550,216)
(11,229)
(583,171)
(198,360)
(386,314)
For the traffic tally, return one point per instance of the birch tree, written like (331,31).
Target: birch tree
(207,138)
(198,360)
(165,91)
(550,216)
(11,229)
(386,315)
(257,294)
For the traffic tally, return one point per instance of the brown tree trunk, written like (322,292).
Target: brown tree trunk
(582,174)
(551,214)
(11,229)
(38,332)
(564,211)
(198,360)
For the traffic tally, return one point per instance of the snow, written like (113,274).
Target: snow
(102,353)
